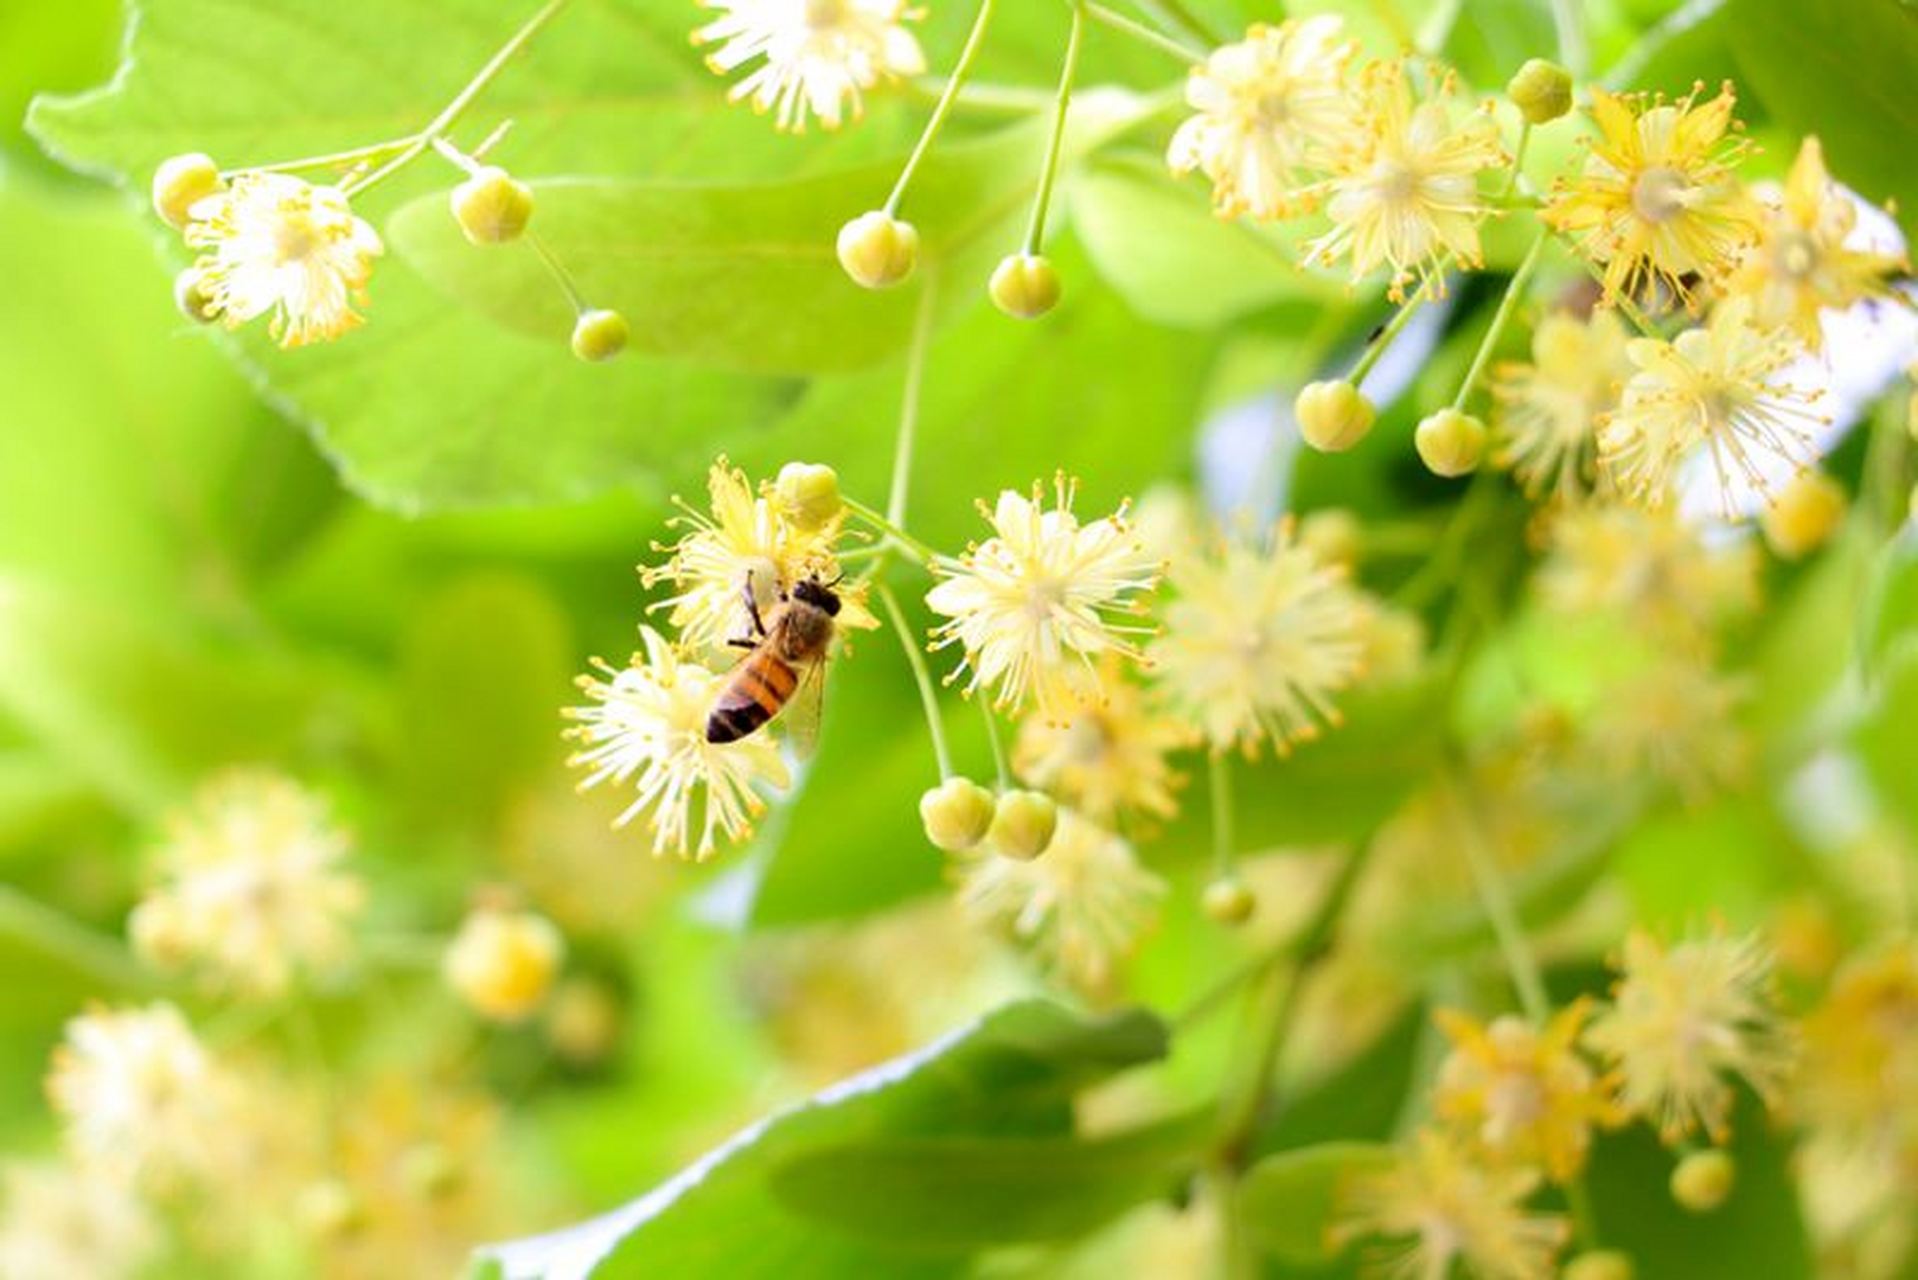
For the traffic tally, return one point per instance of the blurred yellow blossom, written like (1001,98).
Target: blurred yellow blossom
(817,58)
(1519,1094)
(252,891)
(1545,424)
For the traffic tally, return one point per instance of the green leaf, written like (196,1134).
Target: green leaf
(432,405)
(963,1194)
(721,275)
(1841,70)
(1288,1202)
(1172,260)
(1008,1076)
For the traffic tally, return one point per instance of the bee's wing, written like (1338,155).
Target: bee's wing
(805,709)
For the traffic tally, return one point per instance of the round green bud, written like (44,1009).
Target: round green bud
(808,493)
(1333,416)
(182,182)
(1542,91)
(1804,515)
(1025,286)
(599,334)
(1230,901)
(1023,824)
(1600,1264)
(957,814)
(878,250)
(1450,442)
(1332,535)
(492,206)
(191,297)
(1703,1180)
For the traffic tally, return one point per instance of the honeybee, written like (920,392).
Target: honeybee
(788,649)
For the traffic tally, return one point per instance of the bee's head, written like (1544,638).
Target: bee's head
(818,594)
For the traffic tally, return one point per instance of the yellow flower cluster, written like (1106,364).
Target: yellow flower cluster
(733,571)
(1283,127)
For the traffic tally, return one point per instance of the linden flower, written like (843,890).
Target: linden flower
(1404,190)
(1861,1057)
(647,727)
(745,543)
(1545,426)
(1657,200)
(1651,569)
(1686,1019)
(1437,1210)
(252,890)
(1266,107)
(1676,722)
(1108,756)
(1710,389)
(1520,1095)
(1256,642)
(1031,604)
(276,244)
(58,1222)
(1081,906)
(411,1183)
(818,54)
(1803,263)
(142,1098)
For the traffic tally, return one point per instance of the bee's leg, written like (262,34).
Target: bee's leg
(743,642)
(752,610)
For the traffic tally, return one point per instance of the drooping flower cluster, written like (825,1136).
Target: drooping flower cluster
(1282,127)
(252,892)
(1039,603)
(1658,202)
(817,58)
(648,725)
(1685,1021)
(275,245)
(1257,640)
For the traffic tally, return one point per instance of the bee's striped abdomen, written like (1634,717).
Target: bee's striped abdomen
(759,688)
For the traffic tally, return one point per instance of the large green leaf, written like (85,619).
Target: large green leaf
(745,277)
(1008,1076)
(1842,70)
(1172,260)
(960,1194)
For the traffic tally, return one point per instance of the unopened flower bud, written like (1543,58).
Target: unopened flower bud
(808,494)
(492,206)
(1542,91)
(1230,900)
(1332,535)
(1450,442)
(878,250)
(1333,416)
(1804,515)
(1025,286)
(190,296)
(1023,824)
(502,963)
(1601,1264)
(599,335)
(1703,1180)
(957,814)
(182,182)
